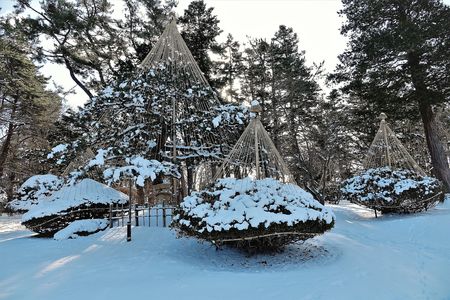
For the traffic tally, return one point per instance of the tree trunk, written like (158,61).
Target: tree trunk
(7,143)
(274,113)
(140,195)
(294,146)
(190,177)
(10,186)
(439,159)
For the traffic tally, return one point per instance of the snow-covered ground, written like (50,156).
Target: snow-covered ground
(392,257)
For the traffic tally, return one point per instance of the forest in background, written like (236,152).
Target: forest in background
(397,61)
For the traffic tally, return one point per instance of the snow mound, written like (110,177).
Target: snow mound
(33,189)
(84,200)
(81,228)
(401,191)
(237,208)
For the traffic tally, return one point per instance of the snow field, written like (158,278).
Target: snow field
(392,257)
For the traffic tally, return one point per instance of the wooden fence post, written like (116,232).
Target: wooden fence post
(157,216)
(111,215)
(164,216)
(122,214)
(129,216)
(136,215)
(149,216)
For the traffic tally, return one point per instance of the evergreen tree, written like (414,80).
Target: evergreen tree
(141,117)
(398,61)
(231,68)
(86,38)
(200,28)
(255,76)
(276,74)
(27,110)
(331,144)
(143,23)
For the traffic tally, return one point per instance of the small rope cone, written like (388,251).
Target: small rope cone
(386,150)
(255,155)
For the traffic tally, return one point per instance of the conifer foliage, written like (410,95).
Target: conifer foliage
(393,191)
(398,61)
(27,111)
(142,116)
(200,29)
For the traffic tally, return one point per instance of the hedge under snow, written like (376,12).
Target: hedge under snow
(392,190)
(245,207)
(34,188)
(81,228)
(86,199)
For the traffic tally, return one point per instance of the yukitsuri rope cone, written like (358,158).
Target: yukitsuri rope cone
(198,150)
(171,48)
(392,181)
(188,121)
(386,150)
(255,155)
(253,202)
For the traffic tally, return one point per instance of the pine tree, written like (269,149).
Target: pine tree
(256,75)
(143,23)
(200,28)
(27,111)
(294,91)
(398,61)
(331,150)
(133,120)
(86,38)
(276,74)
(231,68)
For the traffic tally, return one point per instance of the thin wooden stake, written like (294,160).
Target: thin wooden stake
(136,216)
(157,216)
(122,214)
(129,216)
(110,215)
(164,216)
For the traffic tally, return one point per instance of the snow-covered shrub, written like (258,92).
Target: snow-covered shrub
(254,215)
(141,169)
(81,228)
(87,199)
(33,189)
(398,191)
